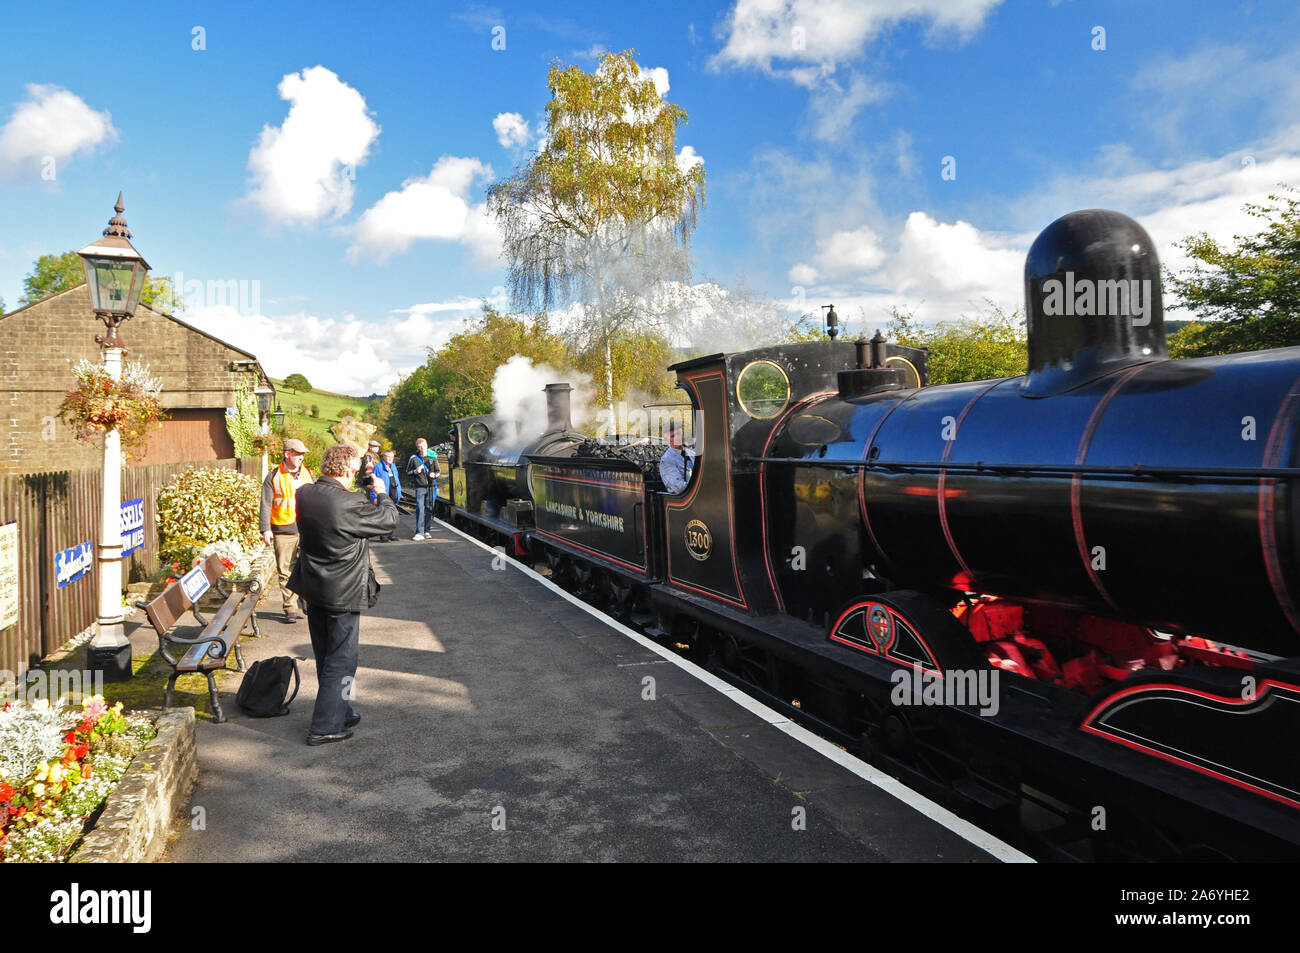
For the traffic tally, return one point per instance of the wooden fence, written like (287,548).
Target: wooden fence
(58,510)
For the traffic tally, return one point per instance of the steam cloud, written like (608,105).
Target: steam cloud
(519,397)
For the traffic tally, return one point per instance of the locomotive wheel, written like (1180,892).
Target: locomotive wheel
(746,662)
(896,736)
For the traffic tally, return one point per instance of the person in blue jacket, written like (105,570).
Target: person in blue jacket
(387,471)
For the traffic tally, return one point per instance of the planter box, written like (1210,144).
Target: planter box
(137,817)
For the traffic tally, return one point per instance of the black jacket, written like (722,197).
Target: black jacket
(335,527)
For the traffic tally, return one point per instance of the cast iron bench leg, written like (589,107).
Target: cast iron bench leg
(216,703)
(171,684)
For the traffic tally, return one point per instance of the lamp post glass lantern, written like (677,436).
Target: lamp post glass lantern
(116,274)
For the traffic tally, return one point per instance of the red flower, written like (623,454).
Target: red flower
(6,791)
(70,738)
(81,750)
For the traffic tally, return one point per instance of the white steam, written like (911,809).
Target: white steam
(519,396)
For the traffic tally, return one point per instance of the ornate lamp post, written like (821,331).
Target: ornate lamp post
(116,274)
(264,394)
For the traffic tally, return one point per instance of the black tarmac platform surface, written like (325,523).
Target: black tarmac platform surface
(500,722)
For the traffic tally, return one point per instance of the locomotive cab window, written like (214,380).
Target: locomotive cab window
(477,433)
(763,389)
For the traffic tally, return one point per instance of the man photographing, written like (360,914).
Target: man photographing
(333,577)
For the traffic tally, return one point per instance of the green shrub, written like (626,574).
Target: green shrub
(315,441)
(315,410)
(346,412)
(206,506)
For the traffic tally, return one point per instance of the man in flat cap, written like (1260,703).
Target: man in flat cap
(279,518)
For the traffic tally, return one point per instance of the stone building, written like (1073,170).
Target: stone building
(41,343)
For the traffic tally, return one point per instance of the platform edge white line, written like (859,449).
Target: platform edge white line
(980,838)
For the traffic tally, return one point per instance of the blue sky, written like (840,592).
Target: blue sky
(334,157)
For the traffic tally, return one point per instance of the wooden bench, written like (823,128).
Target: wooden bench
(208,652)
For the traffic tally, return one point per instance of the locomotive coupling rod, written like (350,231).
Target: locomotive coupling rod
(1246,473)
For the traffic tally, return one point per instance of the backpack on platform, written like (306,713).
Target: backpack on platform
(262,693)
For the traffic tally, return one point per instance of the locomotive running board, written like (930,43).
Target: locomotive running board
(1220,735)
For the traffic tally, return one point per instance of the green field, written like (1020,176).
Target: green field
(297,405)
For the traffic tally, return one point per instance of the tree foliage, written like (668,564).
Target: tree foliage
(244,421)
(639,360)
(602,214)
(297,383)
(54,273)
(986,346)
(456,381)
(1250,290)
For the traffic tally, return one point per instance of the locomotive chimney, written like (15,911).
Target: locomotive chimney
(557,407)
(1092,301)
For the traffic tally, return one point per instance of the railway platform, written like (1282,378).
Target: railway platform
(503,722)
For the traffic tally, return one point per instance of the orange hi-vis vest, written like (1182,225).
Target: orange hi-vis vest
(284,491)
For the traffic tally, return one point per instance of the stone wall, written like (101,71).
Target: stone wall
(137,817)
(44,340)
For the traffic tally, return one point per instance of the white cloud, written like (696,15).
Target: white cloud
(461,304)
(806,41)
(434,207)
(688,158)
(802,274)
(595,52)
(849,252)
(345,354)
(51,123)
(827,32)
(303,170)
(659,76)
(1206,195)
(834,107)
(512,130)
(946,269)
(953,264)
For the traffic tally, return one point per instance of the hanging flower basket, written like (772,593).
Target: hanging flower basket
(98,404)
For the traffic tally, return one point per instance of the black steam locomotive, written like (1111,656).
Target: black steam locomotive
(1065,603)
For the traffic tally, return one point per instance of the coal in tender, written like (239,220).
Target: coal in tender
(644,454)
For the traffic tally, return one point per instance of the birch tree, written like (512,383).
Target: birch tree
(599,220)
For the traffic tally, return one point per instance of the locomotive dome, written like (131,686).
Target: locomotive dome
(1092,300)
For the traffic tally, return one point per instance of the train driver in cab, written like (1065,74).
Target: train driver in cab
(677,462)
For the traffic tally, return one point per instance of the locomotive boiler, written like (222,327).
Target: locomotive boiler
(1108,542)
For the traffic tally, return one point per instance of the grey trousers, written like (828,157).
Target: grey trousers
(286,548)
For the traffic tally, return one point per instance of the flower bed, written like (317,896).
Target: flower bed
(57,766)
